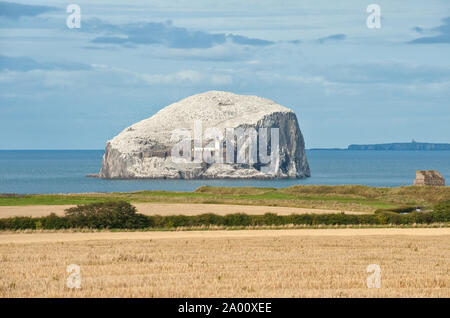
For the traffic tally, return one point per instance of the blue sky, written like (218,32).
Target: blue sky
(64,88)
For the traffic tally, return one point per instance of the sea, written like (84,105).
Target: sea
(64,171)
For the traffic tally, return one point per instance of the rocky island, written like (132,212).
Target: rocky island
(148,149)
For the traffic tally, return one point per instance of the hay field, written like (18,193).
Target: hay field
(171,209)
(260,263)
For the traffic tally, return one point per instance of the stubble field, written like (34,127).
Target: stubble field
(259,263)
(172,209)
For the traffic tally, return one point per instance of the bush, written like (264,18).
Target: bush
(271,219)
(118,215)
(441,212)
(18,223)
(54,222)
(238,219)
(209,219)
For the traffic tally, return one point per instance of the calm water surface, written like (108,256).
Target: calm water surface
(55,171)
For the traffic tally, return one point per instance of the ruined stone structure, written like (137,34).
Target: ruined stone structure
(429,177)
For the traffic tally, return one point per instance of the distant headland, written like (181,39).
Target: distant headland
(414,145)
(402,146)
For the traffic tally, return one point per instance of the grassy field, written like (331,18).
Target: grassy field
(283,263)
(345,198)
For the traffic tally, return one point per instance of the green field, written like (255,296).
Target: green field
(348,197)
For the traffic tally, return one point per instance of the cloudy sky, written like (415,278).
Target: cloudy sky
(64,88)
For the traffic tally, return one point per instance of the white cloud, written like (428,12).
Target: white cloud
(102,77)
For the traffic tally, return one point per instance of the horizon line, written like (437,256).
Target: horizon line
(312,148)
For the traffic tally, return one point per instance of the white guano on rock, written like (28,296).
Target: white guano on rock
(143,150)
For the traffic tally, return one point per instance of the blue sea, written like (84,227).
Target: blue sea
(54,171)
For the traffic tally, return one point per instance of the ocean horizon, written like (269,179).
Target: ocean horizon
(64,171)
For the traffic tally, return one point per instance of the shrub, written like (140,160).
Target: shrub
(270,219)
(302,219)
(441,212)
(393,218)
(54,222)
(119,215)
(177,221)
(238,219)
(18,223)
(209,219)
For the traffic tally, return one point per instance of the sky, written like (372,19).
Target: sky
(63,88)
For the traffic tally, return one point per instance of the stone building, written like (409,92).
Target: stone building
(429,177)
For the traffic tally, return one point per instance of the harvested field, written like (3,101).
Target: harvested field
(170,209)
(265,263)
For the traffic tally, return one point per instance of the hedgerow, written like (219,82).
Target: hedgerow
(122,215)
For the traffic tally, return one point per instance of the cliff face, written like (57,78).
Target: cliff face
(144,150)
